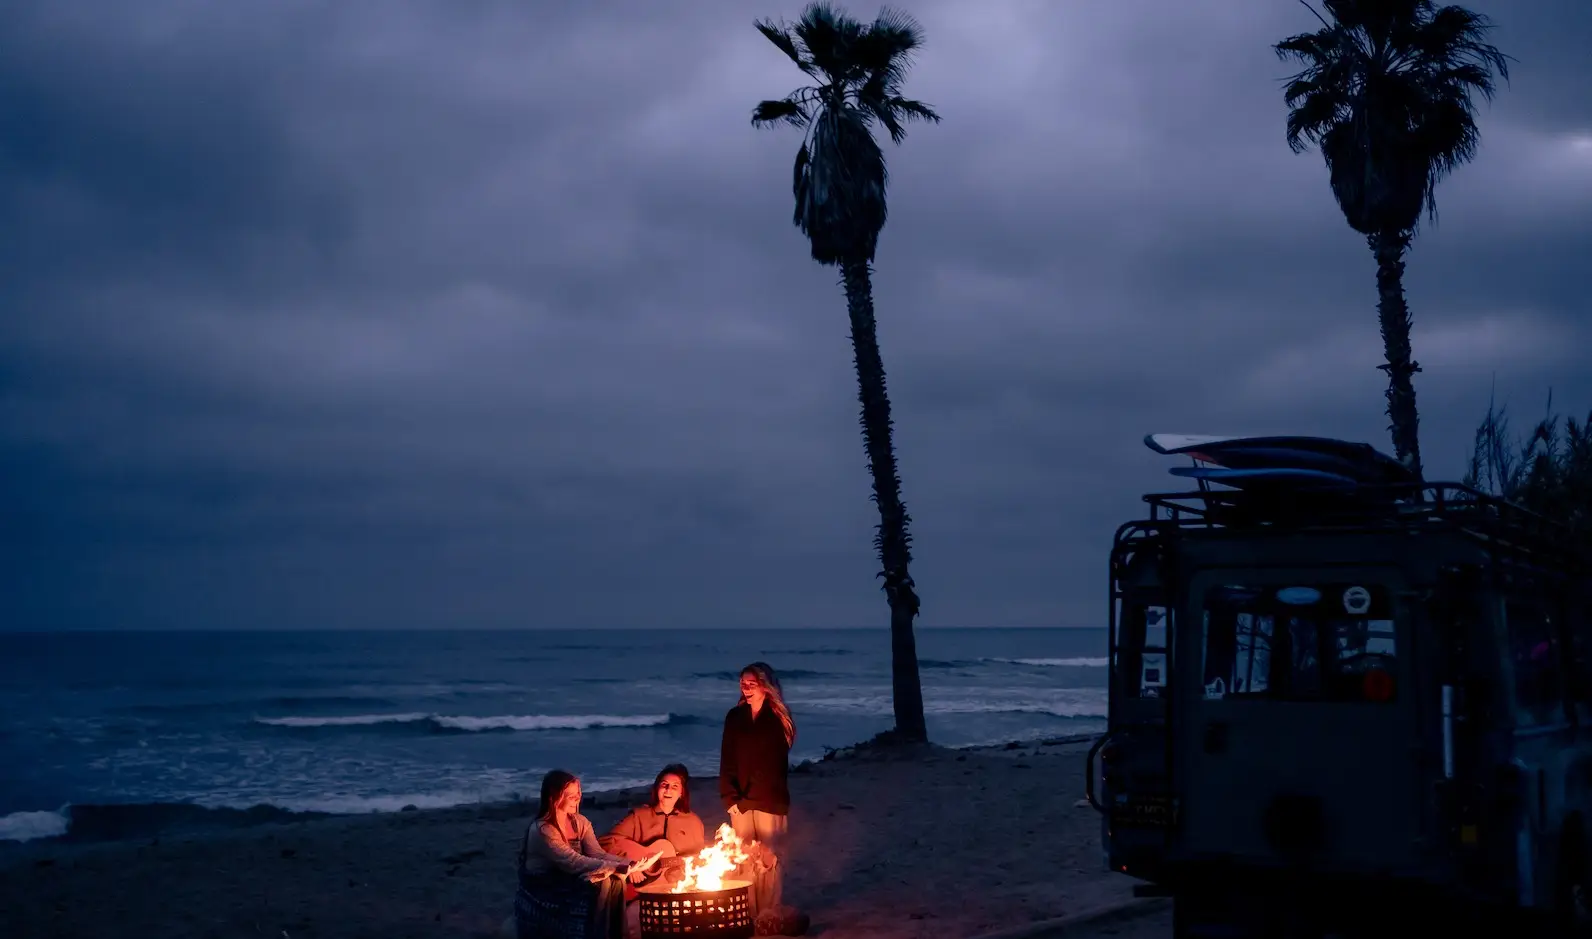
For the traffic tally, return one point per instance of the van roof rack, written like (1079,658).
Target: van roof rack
(1398,507)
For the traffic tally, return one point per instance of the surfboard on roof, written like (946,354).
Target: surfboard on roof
(1359,462)
(1299,477)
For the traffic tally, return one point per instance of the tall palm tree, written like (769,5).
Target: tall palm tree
(1386,93)
(857,70)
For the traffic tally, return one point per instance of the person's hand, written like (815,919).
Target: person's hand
(638,868)
(735,810)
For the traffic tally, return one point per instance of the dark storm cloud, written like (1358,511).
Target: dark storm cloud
(425,314)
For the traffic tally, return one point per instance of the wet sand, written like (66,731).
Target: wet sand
(883,843)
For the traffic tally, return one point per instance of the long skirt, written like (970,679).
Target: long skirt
(769,830)
(565,906)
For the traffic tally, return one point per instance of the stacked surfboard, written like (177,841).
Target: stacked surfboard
(1274,464)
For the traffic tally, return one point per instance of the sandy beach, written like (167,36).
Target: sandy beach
(889,843)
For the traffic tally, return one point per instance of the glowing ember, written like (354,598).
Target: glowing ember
(706,871)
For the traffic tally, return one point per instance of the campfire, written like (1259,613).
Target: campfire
(706,871)
(703,902)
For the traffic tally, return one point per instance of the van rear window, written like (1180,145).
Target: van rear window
(1303,642)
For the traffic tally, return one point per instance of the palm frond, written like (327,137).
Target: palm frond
(914,110)
(779,34)
(1311,48)
(876,107)
(884,50)
(1318,110)
(1456,36)
(827,34)
(783,111)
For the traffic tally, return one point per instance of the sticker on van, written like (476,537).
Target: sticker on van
(1299,596)
(1356,601)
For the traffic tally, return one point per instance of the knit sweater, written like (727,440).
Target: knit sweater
(547,850)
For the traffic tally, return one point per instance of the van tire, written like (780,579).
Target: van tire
(1572,891)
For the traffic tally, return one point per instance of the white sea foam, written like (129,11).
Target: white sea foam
(552,722)
(26,826)
(1055,702)
(475,724)
(354,720)
(349,804)
(1052,702)
(1076,662)
(459,789)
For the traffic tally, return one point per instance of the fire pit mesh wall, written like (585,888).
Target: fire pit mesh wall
(722,914)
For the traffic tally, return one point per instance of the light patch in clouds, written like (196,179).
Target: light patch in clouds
(1472,348)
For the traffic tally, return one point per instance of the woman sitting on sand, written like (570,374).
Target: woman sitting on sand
(753,766)
(569,887)
(665,823)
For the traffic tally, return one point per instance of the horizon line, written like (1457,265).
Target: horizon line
(507,629)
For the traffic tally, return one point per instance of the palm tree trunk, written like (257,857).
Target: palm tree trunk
(893,540)
(1394,314)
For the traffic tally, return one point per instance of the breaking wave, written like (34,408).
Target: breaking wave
(26,826)
(1067,710)
(440,723)
(1075,662)
(1070,662)
(784,673)
(1063,703)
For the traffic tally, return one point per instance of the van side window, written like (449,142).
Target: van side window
(1142,649)
(1535,655)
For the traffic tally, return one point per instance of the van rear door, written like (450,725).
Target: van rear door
(1302,719)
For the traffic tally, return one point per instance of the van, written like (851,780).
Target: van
(1330,706)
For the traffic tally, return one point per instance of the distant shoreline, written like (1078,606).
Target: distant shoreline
(112,823)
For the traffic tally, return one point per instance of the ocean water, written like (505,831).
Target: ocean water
(375,721)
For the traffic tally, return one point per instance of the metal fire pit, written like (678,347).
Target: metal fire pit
(721,914)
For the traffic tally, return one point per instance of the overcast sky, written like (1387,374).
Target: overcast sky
(365,313)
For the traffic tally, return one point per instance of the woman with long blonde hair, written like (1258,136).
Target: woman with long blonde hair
(754,763)
(570,886)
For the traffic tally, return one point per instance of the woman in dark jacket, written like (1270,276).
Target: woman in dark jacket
(753,765)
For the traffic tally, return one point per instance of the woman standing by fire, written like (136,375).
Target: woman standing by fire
(753,765)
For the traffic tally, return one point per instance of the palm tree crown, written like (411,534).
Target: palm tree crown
(1386,93)
(858,69)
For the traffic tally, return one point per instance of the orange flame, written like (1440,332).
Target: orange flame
(706,871)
